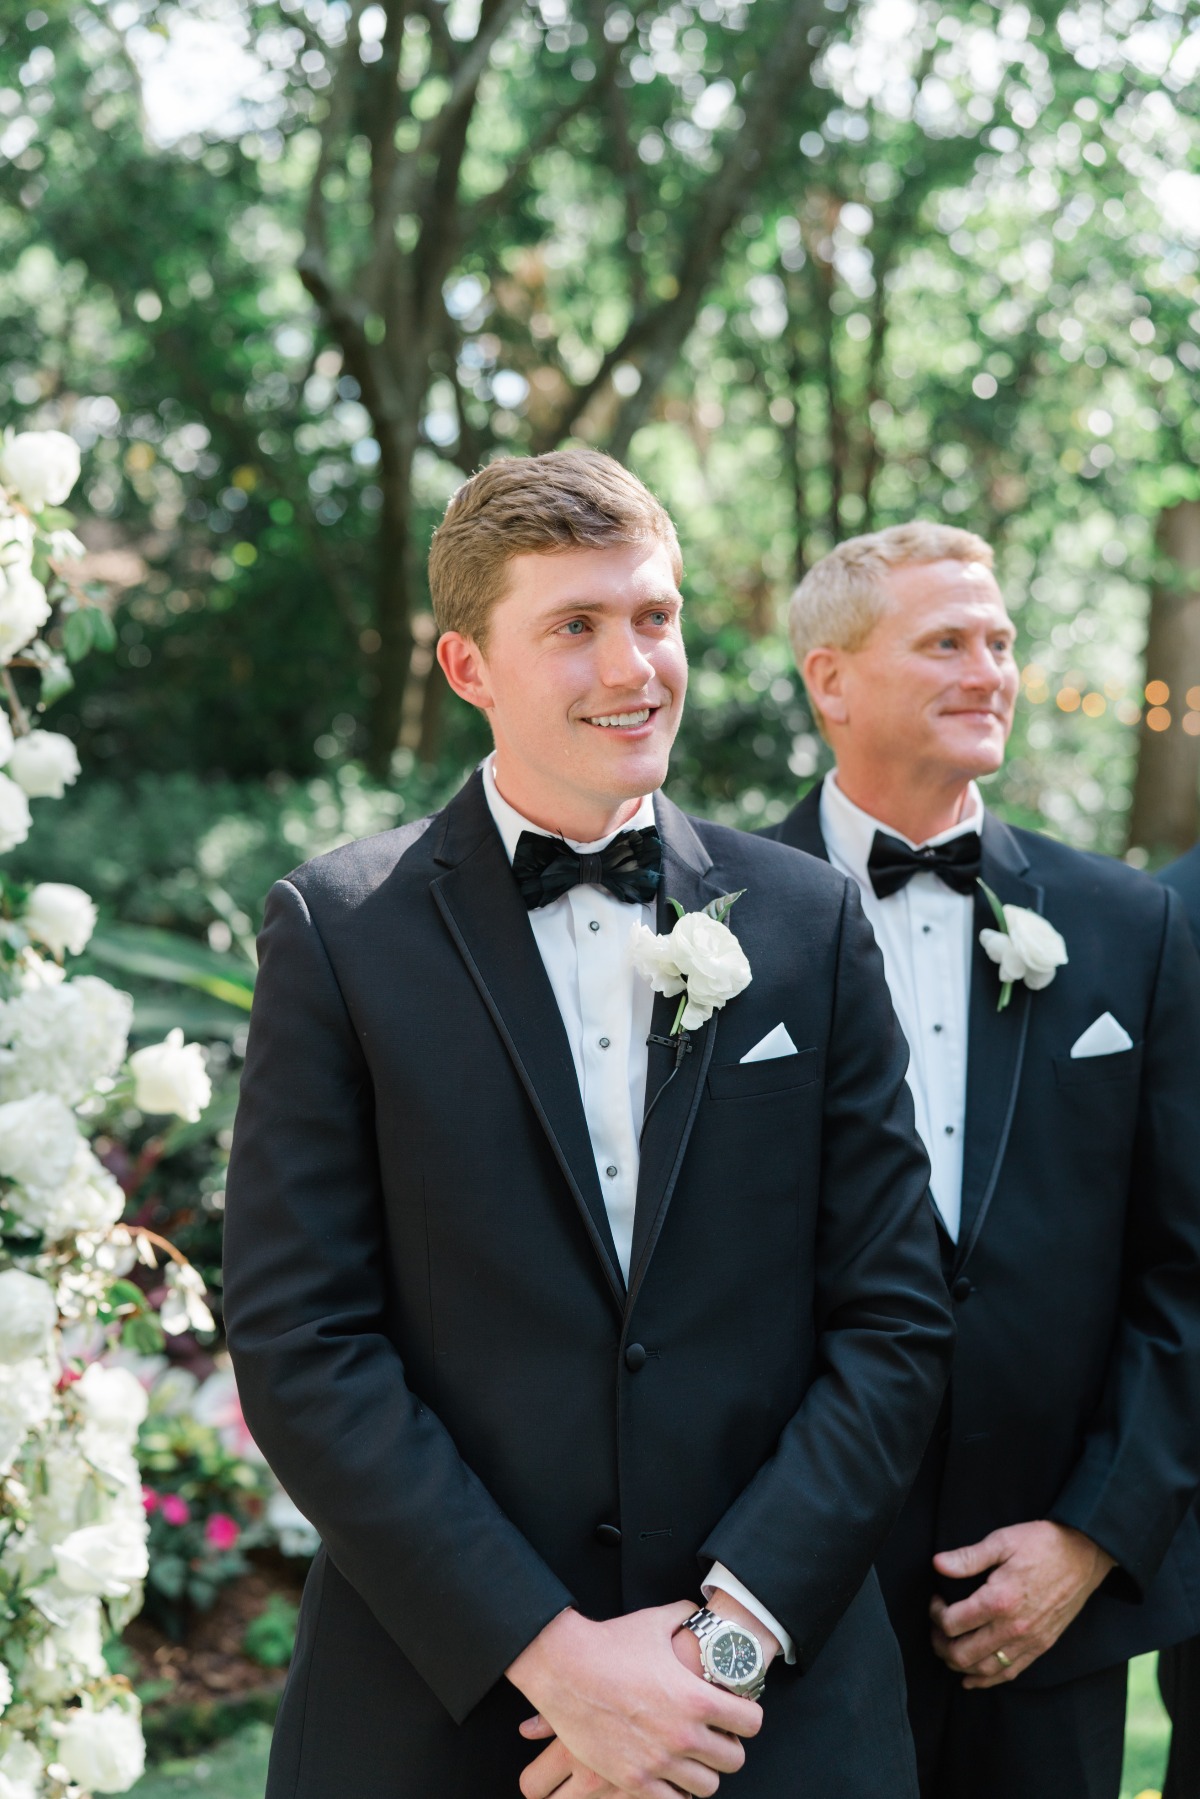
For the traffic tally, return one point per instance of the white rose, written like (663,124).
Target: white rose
(654,959)
(44,763)
(24,609)
(103,1751)
(63,1039)
(60,916)
(28,1315)
(21,1769)
(106,1560)
(87,1200)
(6,736)
(15,817)
(40,466)
(26,1401)
(81,1642)
(114,1402)
(38,1140)
(714,963)
(6,1688)
(1030,950)
(171,1077)
(59,1496)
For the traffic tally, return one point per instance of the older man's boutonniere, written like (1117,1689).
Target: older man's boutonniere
(1025,945)
(699,958)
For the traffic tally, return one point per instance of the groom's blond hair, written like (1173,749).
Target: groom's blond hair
(564,500)
(842,598)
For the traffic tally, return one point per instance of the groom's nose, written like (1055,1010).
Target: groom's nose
(620,659)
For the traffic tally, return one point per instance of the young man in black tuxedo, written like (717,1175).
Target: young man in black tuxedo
(549,1318)
(1179,1666)
(1055,1062)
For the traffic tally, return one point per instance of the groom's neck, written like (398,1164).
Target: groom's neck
(579,817)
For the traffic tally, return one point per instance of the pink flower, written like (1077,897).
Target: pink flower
(149,1500)
(222,1532)
(174,1509)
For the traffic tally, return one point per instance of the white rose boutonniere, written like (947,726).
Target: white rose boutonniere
(700,959)
(1025,946)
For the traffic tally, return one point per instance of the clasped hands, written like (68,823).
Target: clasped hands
(1039,1577)
(624,1710)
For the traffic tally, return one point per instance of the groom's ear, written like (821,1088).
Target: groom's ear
(462,663)
(823,676)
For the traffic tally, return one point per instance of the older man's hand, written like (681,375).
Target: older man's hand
(1041,1576)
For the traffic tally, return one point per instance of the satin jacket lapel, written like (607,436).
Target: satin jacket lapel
(802,826)
(483,909)
(995,1040)
(672,1096)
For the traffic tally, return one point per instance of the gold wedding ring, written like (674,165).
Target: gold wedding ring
(1004,1660)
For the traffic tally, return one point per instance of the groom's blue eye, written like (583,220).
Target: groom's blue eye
(574,626)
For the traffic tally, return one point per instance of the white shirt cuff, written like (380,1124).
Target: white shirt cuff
(729,1583)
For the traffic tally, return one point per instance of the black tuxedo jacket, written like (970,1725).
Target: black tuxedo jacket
(1184,877)
(1076,1382)
(438,1354)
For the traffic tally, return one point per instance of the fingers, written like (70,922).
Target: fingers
(545,1775)
(991,1603)
(535,1729)
(725,1711)
(975,1558)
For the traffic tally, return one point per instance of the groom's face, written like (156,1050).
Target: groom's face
(583,678)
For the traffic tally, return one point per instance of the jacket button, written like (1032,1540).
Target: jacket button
(635,1357)
(609,1535)
(962,1288)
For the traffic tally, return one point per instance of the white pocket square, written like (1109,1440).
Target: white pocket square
(1104,1038)
(775,1043)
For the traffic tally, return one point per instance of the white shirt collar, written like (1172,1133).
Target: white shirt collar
(510,823)
(849,832)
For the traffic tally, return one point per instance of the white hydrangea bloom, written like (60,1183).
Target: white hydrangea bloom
(39,1140)
(28,1315)
(40,467)
(87,1199)
(62,1039)
(26,1401)
(114,1404)
(24,609)
(15,816)
(44,763)
(16,538)
(6,1689)
(6,737)
(60,916)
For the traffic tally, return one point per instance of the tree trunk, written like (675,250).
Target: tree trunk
(393,605)
(1166,794)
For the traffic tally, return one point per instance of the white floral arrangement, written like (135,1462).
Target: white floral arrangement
(72,1525)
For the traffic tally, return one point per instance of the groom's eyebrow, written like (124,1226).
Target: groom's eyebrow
(670,598)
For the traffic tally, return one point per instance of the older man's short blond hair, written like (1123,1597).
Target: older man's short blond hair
(842,598)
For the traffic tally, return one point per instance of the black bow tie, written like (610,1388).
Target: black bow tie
(630,867)
(892,864)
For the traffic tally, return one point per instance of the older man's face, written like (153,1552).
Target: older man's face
(934,686)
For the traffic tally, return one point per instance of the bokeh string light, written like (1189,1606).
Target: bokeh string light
(1151,701)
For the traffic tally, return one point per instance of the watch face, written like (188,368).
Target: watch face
(735,1656)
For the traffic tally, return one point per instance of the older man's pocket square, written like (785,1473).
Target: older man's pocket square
(1104,1038)
(776,1043)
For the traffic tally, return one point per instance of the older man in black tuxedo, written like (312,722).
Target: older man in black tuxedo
(1179,1666)
(548,1312)
(1050,1000)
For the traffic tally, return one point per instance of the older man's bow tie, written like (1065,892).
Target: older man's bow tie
(630,867)
(892,864)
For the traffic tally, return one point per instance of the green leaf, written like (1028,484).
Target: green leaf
(169,1574)
(169,956)
(676,908)
(124,1293)
(721,907)
(77,633)
(143,1335)
(994,903)
(104,632)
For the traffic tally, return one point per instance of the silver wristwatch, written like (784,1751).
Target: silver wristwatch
(730,1655)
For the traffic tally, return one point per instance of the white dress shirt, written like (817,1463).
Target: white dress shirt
(584,940)
(925,933)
